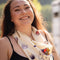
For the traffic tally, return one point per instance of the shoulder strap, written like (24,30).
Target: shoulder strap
(46,37)
(10,42)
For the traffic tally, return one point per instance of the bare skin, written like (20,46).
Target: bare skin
(22,17)
(6,49)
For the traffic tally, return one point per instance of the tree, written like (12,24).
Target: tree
(1,13)
(45,2)
(3,1)
(46,12)
(37,5)
(1,9)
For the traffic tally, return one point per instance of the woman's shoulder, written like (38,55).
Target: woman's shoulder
(3,41)
(3,48)
(45,32)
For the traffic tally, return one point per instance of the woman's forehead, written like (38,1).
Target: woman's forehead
(19,2)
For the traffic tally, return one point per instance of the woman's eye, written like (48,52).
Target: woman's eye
(17,10)
(27,7)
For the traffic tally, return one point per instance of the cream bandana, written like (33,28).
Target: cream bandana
(34,49)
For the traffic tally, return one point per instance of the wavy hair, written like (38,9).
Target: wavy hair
(8,27)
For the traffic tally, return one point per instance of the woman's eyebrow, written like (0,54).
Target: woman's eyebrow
(25,4)
(16,7)
(19,6)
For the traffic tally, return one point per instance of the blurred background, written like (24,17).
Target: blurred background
(51,15)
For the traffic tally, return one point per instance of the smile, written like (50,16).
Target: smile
(24,18)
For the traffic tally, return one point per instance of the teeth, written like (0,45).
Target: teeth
(24,18)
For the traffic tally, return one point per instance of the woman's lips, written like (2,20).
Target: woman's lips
(24,17)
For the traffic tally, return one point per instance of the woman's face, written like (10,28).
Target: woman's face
(21,13)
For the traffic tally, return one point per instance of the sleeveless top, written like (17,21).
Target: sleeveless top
(16,56)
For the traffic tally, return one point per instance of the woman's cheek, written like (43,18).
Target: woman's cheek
(15,15)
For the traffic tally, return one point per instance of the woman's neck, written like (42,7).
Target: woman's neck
(26,30)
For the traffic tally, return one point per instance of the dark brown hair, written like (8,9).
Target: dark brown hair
(8,27)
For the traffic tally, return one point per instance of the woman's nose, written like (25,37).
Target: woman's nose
(23,11)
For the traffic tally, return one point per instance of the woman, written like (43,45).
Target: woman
(23,35)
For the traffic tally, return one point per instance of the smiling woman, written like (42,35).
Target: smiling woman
(23,35)
(21,13)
